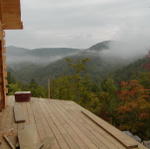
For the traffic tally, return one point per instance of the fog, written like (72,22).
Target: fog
(83,24)
(131,41)
(80,24)
(18,55)
(32,60)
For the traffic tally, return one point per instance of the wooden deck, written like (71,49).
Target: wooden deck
(65,124)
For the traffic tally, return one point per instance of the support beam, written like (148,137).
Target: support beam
(3,73)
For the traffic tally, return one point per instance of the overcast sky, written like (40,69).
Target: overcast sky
(80,23)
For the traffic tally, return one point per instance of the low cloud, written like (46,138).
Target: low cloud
(80,24)
(132,40)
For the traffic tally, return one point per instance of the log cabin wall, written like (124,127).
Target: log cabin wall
(10,18)
(3,70)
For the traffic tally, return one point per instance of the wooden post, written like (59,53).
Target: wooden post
(49,89)
(3,74)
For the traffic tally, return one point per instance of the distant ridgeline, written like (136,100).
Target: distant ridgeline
(41,64)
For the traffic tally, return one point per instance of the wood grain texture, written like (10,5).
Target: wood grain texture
(61,125)
(19,114)
(11,14)
(28,137)
(2,69)
(9,142)
(125,140)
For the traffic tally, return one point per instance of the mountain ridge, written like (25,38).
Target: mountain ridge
(99,66)
(40,55)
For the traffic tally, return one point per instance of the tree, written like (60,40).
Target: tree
(36,90)
(77,86)
(134,108)
(13,87)
(144,79)
(108,100)
(10,78)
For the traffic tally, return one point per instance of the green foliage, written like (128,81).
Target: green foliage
(144,78)
(36,90)
(76,86)
(13,87)
(79,87)
(122,99)
(109,100)
(98,68)
(10,78)
(130,72)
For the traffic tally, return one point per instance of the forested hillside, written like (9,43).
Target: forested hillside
(122,97)
(99,66)
(124,103)
(42,56)
(132,71)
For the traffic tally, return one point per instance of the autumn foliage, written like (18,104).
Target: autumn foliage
(125,105)
(134,108)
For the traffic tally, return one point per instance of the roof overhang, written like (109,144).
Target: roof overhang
(10,14)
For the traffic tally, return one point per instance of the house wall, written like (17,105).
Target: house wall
(3,70)
(10,18)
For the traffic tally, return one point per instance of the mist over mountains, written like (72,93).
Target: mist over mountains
(106,50)
(38,56)
(25,64)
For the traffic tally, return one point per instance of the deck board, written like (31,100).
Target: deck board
(71,131)
(19,114)
(90,142)
(60,122)
(56,130)
(90,134)
(90,131)
(28,137)
(6,123)
(49,131)
(98,133)
(73,140)
(63,127)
